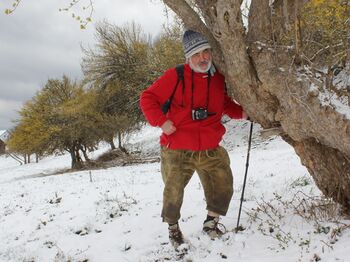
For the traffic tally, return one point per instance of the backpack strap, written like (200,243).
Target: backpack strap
(180,71)
(180,77)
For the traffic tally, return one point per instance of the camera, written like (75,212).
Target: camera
(199,113)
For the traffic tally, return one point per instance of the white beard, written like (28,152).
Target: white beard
(198,69)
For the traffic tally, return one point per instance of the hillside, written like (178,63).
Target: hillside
(114,214)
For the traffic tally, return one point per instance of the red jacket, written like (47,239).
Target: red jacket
(190,134)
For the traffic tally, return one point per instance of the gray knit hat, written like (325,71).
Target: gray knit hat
(194,42)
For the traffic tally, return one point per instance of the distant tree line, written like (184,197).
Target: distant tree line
(75,116)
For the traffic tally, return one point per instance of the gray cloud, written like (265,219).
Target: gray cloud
(8,113)
(38,42)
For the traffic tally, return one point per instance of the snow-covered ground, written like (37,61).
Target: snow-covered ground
(114,214)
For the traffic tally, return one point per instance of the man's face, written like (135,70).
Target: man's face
(201,62)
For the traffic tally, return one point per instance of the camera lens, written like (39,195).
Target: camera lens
(199,114)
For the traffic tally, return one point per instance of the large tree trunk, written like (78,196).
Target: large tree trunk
(264,78)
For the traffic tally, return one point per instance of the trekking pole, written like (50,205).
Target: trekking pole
(238,228)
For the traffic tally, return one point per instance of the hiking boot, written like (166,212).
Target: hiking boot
(210,227)
(175,235)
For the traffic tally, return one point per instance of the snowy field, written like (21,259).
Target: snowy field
(114,214)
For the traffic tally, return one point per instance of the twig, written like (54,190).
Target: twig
(90,176)
(9,11)
(328,245)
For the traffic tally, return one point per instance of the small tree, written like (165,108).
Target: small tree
(61,117)
(118,69)
(31,134)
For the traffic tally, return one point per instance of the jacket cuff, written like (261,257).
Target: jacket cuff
(162,120)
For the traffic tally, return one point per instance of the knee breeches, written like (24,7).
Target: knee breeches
(213,168)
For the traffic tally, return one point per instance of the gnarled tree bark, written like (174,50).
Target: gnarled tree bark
(270,86)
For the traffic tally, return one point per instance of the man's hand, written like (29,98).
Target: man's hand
(168,127)
(245,116)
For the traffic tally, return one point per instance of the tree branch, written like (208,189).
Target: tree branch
(15,4)
(267,22)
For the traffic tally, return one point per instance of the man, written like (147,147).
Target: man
(192,131)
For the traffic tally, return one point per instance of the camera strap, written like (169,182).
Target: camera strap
(208,86)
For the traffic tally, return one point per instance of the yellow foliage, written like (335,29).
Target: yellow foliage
(326,28)
(59,117)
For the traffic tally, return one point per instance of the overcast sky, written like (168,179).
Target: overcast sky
(38,42)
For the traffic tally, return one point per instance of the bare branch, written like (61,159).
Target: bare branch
(83,21)
(15,4)
(72,3)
